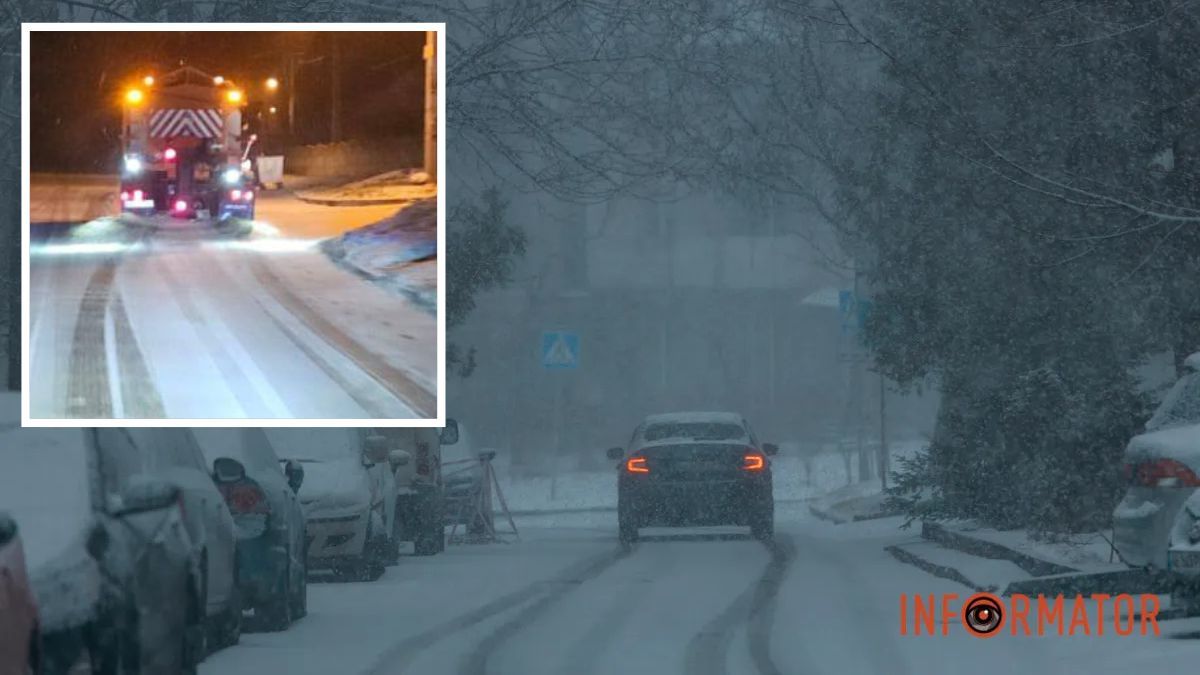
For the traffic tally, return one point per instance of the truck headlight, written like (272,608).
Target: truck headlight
(231,176)
(133,165)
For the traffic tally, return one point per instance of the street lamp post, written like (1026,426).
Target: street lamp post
(431,105)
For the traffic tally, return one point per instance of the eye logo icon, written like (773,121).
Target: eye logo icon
(983,615)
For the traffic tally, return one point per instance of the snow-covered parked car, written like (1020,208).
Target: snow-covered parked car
(171,454)
(108,555)
(1163,468)
(262,496)
(20,643)
(348,496)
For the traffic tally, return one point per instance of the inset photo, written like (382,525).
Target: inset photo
(230,227)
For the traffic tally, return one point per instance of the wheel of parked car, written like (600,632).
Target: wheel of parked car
(427,540)
(277,614)
(300,597)
(231,623)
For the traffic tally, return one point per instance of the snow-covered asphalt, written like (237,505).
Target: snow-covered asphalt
(567,599)
(185,321)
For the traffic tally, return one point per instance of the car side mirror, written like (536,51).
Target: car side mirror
(399,458)
(615,453)
(149,495)
(8,528)
(449,435)
(770,449)
(375,449)
(228,470)
(294,471)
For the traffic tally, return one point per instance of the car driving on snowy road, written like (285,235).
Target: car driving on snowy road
(686,469)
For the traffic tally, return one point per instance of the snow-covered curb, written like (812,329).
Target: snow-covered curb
(985,548)
(393,187)
(852,503)
(399,253)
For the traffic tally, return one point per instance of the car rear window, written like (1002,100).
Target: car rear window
(314,445)
(697,431)
(248,446)
(45,479)
(695,452)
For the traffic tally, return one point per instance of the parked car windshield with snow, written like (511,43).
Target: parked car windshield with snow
(109,558)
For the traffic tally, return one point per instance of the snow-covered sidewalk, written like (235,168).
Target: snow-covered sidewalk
(393,187)
(399,253)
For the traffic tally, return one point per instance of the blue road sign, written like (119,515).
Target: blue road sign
(560,349)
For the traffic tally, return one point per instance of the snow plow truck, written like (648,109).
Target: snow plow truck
(184,155)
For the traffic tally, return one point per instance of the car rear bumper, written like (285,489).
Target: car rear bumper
(262,566)
(681,504)
(333,539)
(1142,524)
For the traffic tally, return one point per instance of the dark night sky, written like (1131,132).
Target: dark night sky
(76,80)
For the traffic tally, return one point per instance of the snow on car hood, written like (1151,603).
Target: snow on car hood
(1178,443)
(334,486)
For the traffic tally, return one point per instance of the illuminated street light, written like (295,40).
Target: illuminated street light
(148,80)
(234,96)
(218,80)
(272,110)
(134,96)
(272,84)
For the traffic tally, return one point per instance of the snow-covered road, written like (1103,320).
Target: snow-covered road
(188,322)
(567,599)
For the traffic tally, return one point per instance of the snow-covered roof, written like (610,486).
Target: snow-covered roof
(684,417)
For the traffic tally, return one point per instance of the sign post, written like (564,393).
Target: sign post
(560,351)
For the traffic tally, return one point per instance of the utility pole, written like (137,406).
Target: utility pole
(431,105)
(335,113)
(291,104)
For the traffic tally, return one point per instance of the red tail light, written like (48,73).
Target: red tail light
(754,460)
(124,196)
(181,205)
(1163,473)
(169,154)
(244,498)
(137,195)
(235,195)
(248,195)
(636,465)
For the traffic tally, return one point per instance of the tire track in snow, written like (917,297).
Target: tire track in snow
(397,658)
(88,394)
(708,651)
(476,662)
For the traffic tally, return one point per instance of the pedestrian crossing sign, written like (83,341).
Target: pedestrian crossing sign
(560,349)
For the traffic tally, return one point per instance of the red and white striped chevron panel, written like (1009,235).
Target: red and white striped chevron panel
(175,122)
